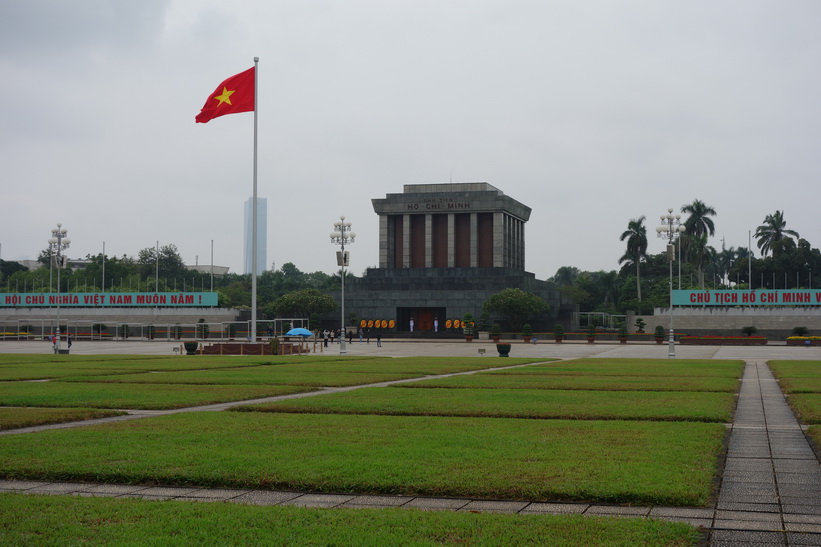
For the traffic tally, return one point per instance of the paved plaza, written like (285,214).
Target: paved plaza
(770,491)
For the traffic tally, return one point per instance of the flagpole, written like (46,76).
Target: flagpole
(254,214)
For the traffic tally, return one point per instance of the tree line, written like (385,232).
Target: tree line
(784,260)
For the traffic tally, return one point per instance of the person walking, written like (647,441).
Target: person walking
(379,338)
(360,334)
(325,337)
(350,336)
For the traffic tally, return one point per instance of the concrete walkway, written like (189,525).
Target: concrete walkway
(770,492)
(771,487)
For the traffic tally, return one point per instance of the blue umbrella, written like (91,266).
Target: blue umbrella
(299,332)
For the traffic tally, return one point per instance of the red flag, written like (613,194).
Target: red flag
(234,95)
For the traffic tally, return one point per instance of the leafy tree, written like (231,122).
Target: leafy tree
(516,305)
(171,264)
(565,275)
(304,303)
(636,236)
(773,232)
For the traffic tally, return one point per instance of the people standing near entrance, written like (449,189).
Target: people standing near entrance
(411,324)
(332,337)
(379,338)
(325,337)
(435,324)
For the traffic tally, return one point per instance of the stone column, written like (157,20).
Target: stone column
(406,241)
(499,233)
(451,241)
(385,242)
(474,240)
(428,241)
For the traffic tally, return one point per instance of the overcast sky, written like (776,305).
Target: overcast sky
(589,112)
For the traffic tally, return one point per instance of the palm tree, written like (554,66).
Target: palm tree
(773,232)
(699,221)
(636,236)
(697,251)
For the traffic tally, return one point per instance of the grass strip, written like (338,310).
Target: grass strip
(133,396)
(635,367)
(15,418)
(798,376)
(493,380)
(807,407)
(814,432)
(261,375)
(63,520)
(671,463)
(517,403)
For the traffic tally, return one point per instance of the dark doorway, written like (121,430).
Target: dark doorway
(423,319)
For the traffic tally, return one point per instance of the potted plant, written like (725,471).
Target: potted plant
(623,333)
(749,331)
(483,326)
(640,324)
(558,333)
(191,347)
(468,325)
(658,334)
(503,348)
(496,332)
(800,331)
(591,333)
(527,332)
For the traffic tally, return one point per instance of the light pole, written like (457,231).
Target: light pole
(671,228)
(341,236)
(58,242)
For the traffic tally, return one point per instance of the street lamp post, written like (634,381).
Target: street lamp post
(341,236)
(58,242)
(671,228)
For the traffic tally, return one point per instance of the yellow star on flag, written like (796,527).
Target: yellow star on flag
(225,97)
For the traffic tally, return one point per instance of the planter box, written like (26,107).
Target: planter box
(720,342)
(804,342)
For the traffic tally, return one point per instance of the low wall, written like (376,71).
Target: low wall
(774,323)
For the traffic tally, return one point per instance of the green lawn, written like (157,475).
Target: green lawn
(639,434)
(667,463)
(518,403)
(547,380)
(60,520)
(132,396)
(635,367)
(260,375)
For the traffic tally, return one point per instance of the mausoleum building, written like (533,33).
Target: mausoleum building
(443,250)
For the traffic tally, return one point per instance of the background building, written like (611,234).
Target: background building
(262,234)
